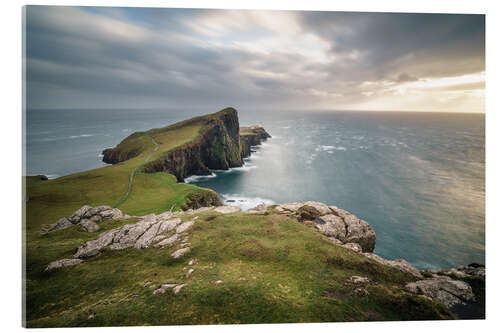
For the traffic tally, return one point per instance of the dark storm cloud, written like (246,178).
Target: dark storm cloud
(112,57)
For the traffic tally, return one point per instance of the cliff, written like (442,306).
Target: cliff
(218,145)
(251,136)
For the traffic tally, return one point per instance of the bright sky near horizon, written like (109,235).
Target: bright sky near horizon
(102,57)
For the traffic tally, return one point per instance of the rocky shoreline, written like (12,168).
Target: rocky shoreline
(340,227)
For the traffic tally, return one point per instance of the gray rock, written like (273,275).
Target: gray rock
(332,226)
(62,263)
(75,218)
(227,209)
(163,288)
(218,282)
(335,241)
(353,246)
(443,289)
(181,252)
(184,226)
(169,225)
(359,231)
(88,225)
(193,262)
(96,218)
(289,207)
(320,207)
(178,288)
(359,279)
(400,264)
(93,247)
(63,223)
(120,246)
(189,272)
(147,237)
(168,241)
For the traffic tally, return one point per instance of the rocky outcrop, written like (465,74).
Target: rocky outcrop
(62,263)
(344,229)
(86,218)
(159,231)
(444,290)
(334,222)
(400,264)
(217,147)
(251,136)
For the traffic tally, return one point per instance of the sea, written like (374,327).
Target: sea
(418,178)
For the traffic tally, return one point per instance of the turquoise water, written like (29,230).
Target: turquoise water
(417,178)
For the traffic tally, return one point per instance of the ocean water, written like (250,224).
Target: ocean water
(417,178)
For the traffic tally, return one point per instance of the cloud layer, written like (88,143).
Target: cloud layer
(92,57)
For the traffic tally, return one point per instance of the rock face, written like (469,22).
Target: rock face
(251,136)
(334,222)
(217,147)
(344,229)
(443,289)
(87,217)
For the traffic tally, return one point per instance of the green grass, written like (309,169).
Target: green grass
(274,270)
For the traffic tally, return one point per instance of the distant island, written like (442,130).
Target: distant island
(131,244)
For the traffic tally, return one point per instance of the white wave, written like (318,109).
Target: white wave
(194,179)
(329,148)
(285,127)
(126,130)
(52,176)
(243,202)
(80,136)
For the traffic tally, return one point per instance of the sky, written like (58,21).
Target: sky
(104,57)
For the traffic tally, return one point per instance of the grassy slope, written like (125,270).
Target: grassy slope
(274,270)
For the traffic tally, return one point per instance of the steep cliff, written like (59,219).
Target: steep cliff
(217,146)
(251,136)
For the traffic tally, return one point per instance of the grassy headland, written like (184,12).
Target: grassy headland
(273,269)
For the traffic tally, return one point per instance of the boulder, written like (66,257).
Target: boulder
(62,263)
(359,279)
(88,225)
(227,209)
(181,252)
(359,231)
(75,218)
(332,226)
(444,290)
(189,272)
(178,288)
(63,223)
(320,207)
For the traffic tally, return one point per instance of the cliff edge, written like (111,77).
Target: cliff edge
(216,145)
